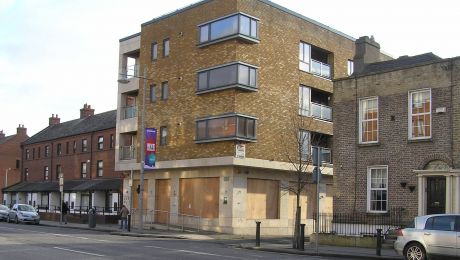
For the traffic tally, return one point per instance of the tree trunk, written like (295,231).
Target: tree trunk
(296,239)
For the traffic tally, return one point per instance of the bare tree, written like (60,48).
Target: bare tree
(298,142)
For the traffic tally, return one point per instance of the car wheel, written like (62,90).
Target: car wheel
(414,251)
(16,220)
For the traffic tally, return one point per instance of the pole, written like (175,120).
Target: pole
(130,184)
(318,172)
(257,233)
(378,250)
(142,146)
(61,189)
(6,176)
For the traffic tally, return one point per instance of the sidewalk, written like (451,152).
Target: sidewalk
(278,244)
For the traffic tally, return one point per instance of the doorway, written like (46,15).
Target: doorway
(436,195)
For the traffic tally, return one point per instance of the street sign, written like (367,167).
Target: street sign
(240,151)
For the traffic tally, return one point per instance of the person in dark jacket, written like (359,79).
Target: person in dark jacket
(64,211)
(124,217)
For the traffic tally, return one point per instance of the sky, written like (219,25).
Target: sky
(57,55)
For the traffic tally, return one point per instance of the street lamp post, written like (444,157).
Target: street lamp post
(61,189)
(142,155)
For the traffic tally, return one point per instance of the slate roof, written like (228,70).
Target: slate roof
(89,124)
(399,63)
(6,139)
(69,186)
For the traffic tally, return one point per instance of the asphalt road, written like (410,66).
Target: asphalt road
(23,242)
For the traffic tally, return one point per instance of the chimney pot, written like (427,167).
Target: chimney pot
(21,130)
(86,111)
(54,120)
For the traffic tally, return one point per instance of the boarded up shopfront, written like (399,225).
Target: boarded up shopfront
(199,197)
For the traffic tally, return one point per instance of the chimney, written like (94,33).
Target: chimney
(21,130)
(54,120)
(367,51)
(2,135)
(86,111)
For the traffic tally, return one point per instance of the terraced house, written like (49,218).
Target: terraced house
(82,151)
(222,80)
(397,129)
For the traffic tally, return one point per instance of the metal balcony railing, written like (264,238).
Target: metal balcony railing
(130,71)
(320,69)
(325,154)
(128,112)
(127,152)
(321,111)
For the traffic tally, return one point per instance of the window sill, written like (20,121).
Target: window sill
(368,144)
(373,213)
(424,140)
(242,139)
(236,86)
(231,37)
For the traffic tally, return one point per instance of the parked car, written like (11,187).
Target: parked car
(23,213)
(430,235)
(4,210)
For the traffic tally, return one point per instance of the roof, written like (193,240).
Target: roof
(6,139)
(399,63)
(89,124)
(69,186)
(279,7)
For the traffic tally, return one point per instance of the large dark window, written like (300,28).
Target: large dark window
(229,127)
(100,168)
(237,75)
(100,143)
(234,26)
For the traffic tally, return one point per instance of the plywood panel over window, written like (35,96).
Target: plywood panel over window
(199,197)
(262,199)
(136,196)
(162,200)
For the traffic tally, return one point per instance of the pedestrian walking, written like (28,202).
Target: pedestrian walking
(64,211)
(124,212)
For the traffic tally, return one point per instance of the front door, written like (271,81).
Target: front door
(436,195)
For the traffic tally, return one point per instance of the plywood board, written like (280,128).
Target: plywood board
(199,197)
(262,199)
(162,200)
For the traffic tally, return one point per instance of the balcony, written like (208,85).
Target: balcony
(321,111)
(128,112)
(324,152)
(127,152)
(320,69)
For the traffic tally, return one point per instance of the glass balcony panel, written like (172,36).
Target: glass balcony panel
(316,67)
(127,152)
(129,112)
(321,111)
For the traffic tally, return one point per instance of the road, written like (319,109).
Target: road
(24,242)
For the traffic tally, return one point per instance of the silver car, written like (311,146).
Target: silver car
(23,213)
(431,235)
(4,210)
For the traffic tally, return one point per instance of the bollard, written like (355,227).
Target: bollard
(129,222)
(302,237)
(257,233)
(379,242)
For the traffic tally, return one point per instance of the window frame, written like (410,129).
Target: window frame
(100,143)
(236,84)
(305,149)
(84,170)
(100,168)
(166,47)
(58,170)
(370,189)
(253,21)
(410,114)
(361,119)
(47,151)
(164,90)
(59,149)
(154,51)
(163,138)
(112,141)
(84,145)
(235,136)
(46,173)
(153,93)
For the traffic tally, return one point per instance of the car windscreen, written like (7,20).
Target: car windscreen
(26,208)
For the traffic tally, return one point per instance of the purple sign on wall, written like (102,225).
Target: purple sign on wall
(150,148)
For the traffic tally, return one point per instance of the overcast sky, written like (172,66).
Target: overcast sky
(56,55)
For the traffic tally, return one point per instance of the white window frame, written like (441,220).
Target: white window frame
(304,63)
(350,67)
(304,100)
(409,113)
(370,189)
(361,120)
(305,149)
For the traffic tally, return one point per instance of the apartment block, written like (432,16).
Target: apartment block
(82,151)
(396,135)
(10,158)
(222,81)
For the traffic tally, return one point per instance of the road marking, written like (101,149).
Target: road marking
(192,252)
(58,235)
(76,251)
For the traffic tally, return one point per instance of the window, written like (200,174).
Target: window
(74,146)
(18,164)
(377,189)
(369,120)
(163,135)
(59,149)
(304,144)
(164,90)
(27,154)
(26,174)
(350,67)
(47,151)
(154,51)
(443,223)
(239,75)
(39,152)
(314,103)
(100,168)
(46,173)
(33,153)
(153,93)
(83,169)
(229,127)
(165,47)
(58,171)
(84,145)
(66,148)
(100,143)
(314,60)
(229,27)
(112,141)
(420,114)
(304,101)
